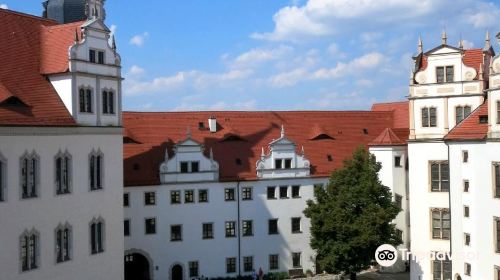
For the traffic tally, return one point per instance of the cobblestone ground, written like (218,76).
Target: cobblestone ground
(364,276)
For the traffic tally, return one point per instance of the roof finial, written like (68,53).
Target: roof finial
(461,44)
(211,155)
(166,154)
(113,42)
(282,131)
(420,45)
(487,41)
(263,154)
(303,153)
(76,35)
(444,37)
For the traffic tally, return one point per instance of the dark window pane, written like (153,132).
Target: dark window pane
(432,117)
(273,226)
(425,117)
(184,167)
(278,163)
(176,233)
(203,196)
(449,74)
(126,228)
(284,192)
(151,226)
(440,74)
(271,193)
(288,163)
(92,56)
(195,166)
(295,191)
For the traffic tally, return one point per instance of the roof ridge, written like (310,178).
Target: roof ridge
(27,15)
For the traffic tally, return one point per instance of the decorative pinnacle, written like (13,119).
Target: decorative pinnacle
(263,154)
(166,154)
(444,38)
(76,36)
(487,41)
(420,45)
(303,152)
(481,71)
(282,131)
(211,154)
(113,43)
(461,44)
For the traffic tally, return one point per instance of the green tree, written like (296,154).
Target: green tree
(352,216)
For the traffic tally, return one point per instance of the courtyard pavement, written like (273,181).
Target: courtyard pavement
(384,276)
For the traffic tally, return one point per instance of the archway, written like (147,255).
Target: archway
(177,272)
(137,267)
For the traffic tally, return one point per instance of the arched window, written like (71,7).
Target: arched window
(63,243)
(96,161)
(30,166)
(30,248)
(97,236)
(85,100)
(3,178)
(108,102)
(63,173)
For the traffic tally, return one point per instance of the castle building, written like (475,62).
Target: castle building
(60,149)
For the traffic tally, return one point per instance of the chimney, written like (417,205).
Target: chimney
(212,124)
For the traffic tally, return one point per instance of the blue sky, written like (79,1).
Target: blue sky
(279,54)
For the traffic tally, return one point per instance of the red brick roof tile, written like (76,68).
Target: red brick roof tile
(471,128)
(389,138)
(154,132)
(472,58)
(400,111)
(20,56)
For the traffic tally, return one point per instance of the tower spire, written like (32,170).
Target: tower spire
(444,37)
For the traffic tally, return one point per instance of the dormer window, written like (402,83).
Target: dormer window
(190,166)
(85,99)
(283,163)
(444,74)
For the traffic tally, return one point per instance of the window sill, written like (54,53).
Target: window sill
(296,197)
(175,240)
(271,198)
(284,197)
(175,203)
(188,202)
(297,232)
(63,193)
(248,235)
(231,236)
(207,238)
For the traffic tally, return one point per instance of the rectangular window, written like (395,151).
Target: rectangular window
(497,233)
(271,192)
(461,113)
(466,211)
(195,166)
(467,270)
(96,161)
(441,270)
(231,265)
(63,245)
(248,264)
(63,166)
(150,225)
(246,193)
(193,269)
(97,237)
(108,102)
(126,228)
(497,180)
(273,226)
(440,176)
(247,228)
(29,176)
(176,233)
(100,57)
(229,194)
(449,74)
(288,163)
(399,201)
(295,191)
(425,117)
(92,56)
(203,196)
(441,224)
(498,112)
(85,100)
(296,228)
(208,231)
(467,239)
(465,156)
(149,198)
(175,197)
(184,167)
(466,187)
(397,161)
(231,229)
(432,117)
(296,260)
(189,196)
(29,252)
(278,164)
(440,74)
(284,192)
(273,262)
(126,200)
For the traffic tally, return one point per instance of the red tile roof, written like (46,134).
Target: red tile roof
(389,138)
(20,55)
(154,132)
(400,111)
(471,128)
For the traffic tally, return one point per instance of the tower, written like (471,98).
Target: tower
(67,11)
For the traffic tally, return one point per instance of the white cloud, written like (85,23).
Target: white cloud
(468,44)
(112,28)
(485,15)
(324,17)
(135,70)
(368,61)
(4,6)
(335,100)
(138,40)
(288,79)
(248,105)
(257,56)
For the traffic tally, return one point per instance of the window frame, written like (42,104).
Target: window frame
(428,117)
(467,239)
(126,200)
(92,55)
(230,229)
(193,269)
(283,192)
(29,176)
(178,195)
(398,199)
(273,192)
(247,228)
(272,226)
(211,231)
(63,243)
(440,180)
(229,194)
(462,112)
(85,100)
(295,191)
(30,252)
(186,196)
(299,255)
(247,193)
(63,176)
(174,236)
(231,265)
(466,211)
(442,266)
(127,229)
(96,170)
(498,111)
(108,102)
(441,229)
(200,196)
(466,186)
(397,161)
(467,269)
(496,230)
(448,74)
(274,263)
(248,264)
(293,223)
(97,236)
(3,178)
(149,198)
(496,179)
